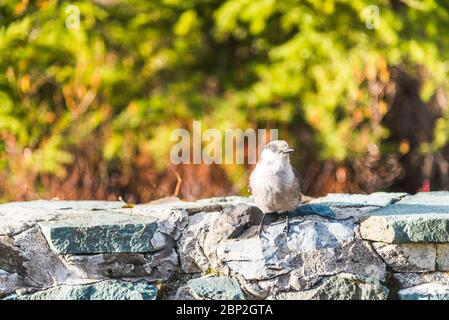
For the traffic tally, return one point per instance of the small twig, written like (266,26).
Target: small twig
(126,205)
(178,184)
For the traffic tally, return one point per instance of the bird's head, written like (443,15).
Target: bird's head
(276,151)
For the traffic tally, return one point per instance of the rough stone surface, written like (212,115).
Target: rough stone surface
(156,266)
(341,287)
(101,232)
(442,263)
(318,209)
(420,218)
(43,266)
(313,248)
(105,290)
(28,261)
(10,258)
(427,291)
(16,217)
(410,279)
(204,205)
(377,199)
(336,247)
(191,253)
(9,282)
(212,288)
(434,198)
(413,257)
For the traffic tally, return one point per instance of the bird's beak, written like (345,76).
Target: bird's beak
(287,151)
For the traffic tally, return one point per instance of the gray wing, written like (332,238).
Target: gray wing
(302,197)
(298,181)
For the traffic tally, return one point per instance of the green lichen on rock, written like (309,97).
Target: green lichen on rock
(105,290)
(100,233)
(343,286)
(420,218)
(215,288)
(427,291)
(376,199)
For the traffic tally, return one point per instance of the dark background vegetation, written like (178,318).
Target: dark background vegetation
(87,113)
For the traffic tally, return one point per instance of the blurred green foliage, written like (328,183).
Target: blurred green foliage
(135,70)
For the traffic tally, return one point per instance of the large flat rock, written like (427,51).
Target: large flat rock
(105,290)
(101,233)
(420,218)
(277,259)
(336,247)
(427,291)
(203,205)
(341,287)
(215,288)
(434,198)
(15,217)
(412,279)
(9,282)
(151,266)
(408,257)
(376,199)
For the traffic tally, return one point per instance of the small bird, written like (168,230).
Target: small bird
(274,184)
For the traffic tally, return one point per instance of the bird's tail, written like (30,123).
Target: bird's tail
(306,199)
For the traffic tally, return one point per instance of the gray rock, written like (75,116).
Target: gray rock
(190,244)
(409,279)
(230,223)
(171,224)
(318,258)
(155,266)
(407,257)
(101,232)
(43,268)
(105,290)
(63,205)
(318,209)
(233,221)
(427,291)
(275,261)
(353,213)
(213,204)
(434,198)
(314,248)
(232,200)
(377,199)
(400,223)
(184,293)
(442,263)
(213,288)
(423,217)
(341,287)
(16,217)
(246,258)
(10,258)
(9,283)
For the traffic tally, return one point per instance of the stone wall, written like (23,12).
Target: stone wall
(378,246)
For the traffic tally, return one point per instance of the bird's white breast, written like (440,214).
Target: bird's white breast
(272,186)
